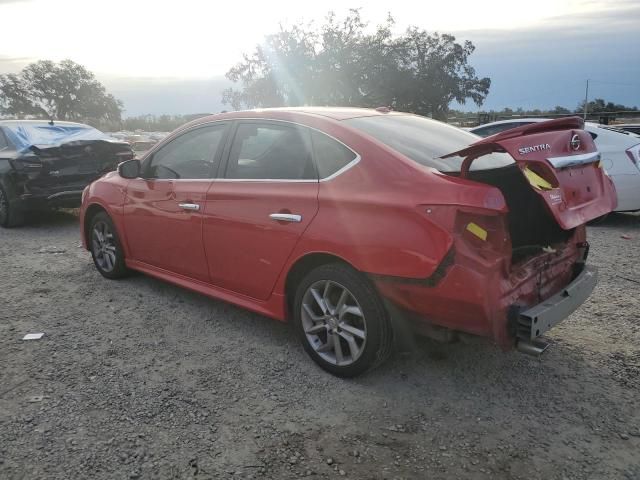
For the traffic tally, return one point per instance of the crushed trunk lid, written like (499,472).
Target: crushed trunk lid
(561,164)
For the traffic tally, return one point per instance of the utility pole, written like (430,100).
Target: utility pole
(586,102)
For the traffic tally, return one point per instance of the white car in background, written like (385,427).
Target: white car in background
(619,150)
(629,127)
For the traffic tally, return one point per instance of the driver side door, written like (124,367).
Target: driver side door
(163,209)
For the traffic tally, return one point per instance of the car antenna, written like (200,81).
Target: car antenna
(51,121)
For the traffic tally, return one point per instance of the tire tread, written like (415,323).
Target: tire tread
(357,281)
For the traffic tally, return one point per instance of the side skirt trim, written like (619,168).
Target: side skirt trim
(273,308)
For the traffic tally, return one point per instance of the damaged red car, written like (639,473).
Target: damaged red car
(362,227)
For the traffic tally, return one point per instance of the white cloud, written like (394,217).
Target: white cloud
(198,38)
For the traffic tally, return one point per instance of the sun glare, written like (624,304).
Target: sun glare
(194,38)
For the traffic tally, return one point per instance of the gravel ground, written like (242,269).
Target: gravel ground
(140,379)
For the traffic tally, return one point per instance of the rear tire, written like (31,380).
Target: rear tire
(10,214)
(106,249)
(335,303)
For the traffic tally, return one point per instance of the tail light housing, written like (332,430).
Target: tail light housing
(484,233)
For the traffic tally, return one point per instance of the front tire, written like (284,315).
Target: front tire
(106,249)
(341,320)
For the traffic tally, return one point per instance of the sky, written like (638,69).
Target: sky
(171,56)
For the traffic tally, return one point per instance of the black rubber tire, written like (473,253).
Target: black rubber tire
(379,340)
(10,216)
(120,269)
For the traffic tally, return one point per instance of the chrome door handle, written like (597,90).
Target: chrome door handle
(286,217)
(189,206)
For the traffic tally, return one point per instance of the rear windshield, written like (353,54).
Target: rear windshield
(424,141)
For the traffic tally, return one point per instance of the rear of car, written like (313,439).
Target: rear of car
(619,150)
(47,164)
(515,217)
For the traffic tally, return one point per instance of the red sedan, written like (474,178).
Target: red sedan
(361,225)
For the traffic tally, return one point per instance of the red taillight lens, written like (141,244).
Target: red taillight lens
(482,232)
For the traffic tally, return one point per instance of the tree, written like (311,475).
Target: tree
(341,64)
(598,105)
(62,91)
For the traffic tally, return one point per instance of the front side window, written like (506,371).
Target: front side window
(270,151)
(331,155)
(425,141)
(192,155)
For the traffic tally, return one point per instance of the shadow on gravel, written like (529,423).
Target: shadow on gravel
(51,218)
(620,220)
(443,370)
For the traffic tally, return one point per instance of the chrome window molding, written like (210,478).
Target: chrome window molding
(348,166)
(262,180)
(176,179)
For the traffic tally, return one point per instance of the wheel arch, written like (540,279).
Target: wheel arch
(301,267)
(92,211)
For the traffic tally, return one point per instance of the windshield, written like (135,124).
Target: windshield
(424,141)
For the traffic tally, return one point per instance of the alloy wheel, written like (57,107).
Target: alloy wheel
(333,322)
(103,246)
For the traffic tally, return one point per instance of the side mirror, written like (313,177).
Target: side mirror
(129,169)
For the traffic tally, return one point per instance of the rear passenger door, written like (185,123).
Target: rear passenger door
(263,201)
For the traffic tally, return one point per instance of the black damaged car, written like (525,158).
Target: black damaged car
(48,164)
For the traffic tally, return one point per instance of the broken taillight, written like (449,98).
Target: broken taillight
(482,231)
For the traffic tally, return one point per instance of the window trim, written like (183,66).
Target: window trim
(148,158)
(342,169)
(231,138)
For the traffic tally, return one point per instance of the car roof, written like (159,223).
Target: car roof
(338,113)
(334,113)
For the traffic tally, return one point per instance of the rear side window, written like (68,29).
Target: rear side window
(266,151)
(331,155)
(424,141)
(192,155)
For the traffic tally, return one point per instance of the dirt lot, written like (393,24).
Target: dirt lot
(140,379)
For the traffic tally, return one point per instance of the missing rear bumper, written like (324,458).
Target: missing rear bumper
(537,320)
